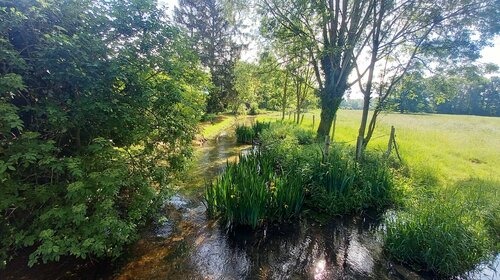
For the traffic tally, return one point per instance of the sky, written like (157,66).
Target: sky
(488,54)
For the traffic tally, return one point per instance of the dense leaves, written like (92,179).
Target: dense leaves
(211,30)
(98,103)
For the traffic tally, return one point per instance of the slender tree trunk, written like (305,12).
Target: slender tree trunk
(283,98)
(362,126)
(297,107)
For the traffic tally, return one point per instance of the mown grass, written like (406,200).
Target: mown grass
(211,128)
(450,215)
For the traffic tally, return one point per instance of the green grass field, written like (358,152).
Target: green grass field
(453,147)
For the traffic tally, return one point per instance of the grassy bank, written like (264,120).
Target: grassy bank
(449,220)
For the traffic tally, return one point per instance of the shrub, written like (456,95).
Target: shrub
(209,117)
(247,134)
(305,137)
(241,109)
(437,236)
(244,134)
(252,192)
(254,109)
(86,150)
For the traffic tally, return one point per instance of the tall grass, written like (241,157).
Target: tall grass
(247,134)
(438,236)
(251,192)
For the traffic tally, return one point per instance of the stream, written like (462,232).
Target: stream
(189,245)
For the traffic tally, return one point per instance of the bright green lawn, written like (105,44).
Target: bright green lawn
(453,147)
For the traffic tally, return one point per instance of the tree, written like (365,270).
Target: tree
(401,30)
(330,32)
(211,29)
(98,106)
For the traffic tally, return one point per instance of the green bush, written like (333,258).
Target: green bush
(438,236)
(241,109)
(245,134)
(254,109)
(209,117)
(91,127)
(251,192)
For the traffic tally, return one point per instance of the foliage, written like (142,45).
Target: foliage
(211,29)
(336,185)
(460,90)
(254,109)
(247,134)
(438,236)
(97,105)
(252,192)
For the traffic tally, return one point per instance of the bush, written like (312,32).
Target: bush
(88,144)
(254,109)
(305,137)
(245,134)
(209,117)
(241,110)
(251,192)
(437,236)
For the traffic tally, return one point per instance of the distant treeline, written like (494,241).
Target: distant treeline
(464,91)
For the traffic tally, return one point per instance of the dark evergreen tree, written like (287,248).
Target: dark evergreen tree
(212,33)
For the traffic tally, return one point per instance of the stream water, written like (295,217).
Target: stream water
(189,245)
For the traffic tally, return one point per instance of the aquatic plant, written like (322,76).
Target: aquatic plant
(244,134)
(251,192)
(247,134)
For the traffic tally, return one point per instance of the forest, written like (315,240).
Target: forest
(134,131)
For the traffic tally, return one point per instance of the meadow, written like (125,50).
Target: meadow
(453,148)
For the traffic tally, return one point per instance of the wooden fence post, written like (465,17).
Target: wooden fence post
(314,119)
(327,147)
(391,140)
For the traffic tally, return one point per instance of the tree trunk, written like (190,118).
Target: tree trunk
(283,99)
(297,107)
(362,126)
(328,110)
